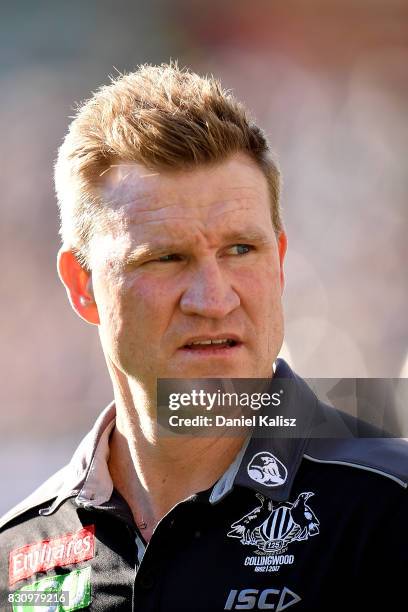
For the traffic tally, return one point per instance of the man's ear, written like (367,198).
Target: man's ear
(282,246)
(78,283)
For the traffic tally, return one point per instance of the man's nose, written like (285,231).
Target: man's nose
(209,293)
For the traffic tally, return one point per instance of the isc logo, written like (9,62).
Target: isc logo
(254,599)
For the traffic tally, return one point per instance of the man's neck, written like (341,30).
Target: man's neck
(153,473)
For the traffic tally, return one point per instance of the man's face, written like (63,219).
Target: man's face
(189,256)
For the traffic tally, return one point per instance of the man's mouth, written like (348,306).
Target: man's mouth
(211,345)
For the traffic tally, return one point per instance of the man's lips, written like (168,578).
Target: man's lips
(217,342)
(222,344)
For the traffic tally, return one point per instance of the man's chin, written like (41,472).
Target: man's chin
(208,370)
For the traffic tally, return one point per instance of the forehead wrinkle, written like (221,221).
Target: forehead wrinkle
(120,196)
(128,220)
(120,222)
(125,223)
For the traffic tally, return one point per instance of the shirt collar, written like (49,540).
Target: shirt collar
(267,465)
(87,476)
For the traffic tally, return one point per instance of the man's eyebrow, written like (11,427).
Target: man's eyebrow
(147,250)
(164,248)
(250,235)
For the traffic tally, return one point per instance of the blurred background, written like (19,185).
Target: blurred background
(328,83)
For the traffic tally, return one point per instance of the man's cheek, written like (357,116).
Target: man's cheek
(146,292)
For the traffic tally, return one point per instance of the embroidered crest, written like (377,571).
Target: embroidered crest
(270,529)
(266,469)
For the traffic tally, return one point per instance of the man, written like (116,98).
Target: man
(173,246)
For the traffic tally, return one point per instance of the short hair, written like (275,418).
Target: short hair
(163,117)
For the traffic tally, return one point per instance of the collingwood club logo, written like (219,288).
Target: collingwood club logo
(266,469)
(271,528)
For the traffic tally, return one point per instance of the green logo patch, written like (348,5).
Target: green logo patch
(76,584)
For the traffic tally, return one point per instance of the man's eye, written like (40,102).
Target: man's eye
(169,258)
(242,249)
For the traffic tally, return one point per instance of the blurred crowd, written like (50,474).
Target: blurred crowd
(327,82)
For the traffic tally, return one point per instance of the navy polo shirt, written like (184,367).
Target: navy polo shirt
(303,524)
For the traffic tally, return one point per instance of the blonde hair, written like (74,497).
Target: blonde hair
(162,117)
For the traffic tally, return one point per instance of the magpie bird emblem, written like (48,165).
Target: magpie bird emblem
(271,528)
(266,469)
